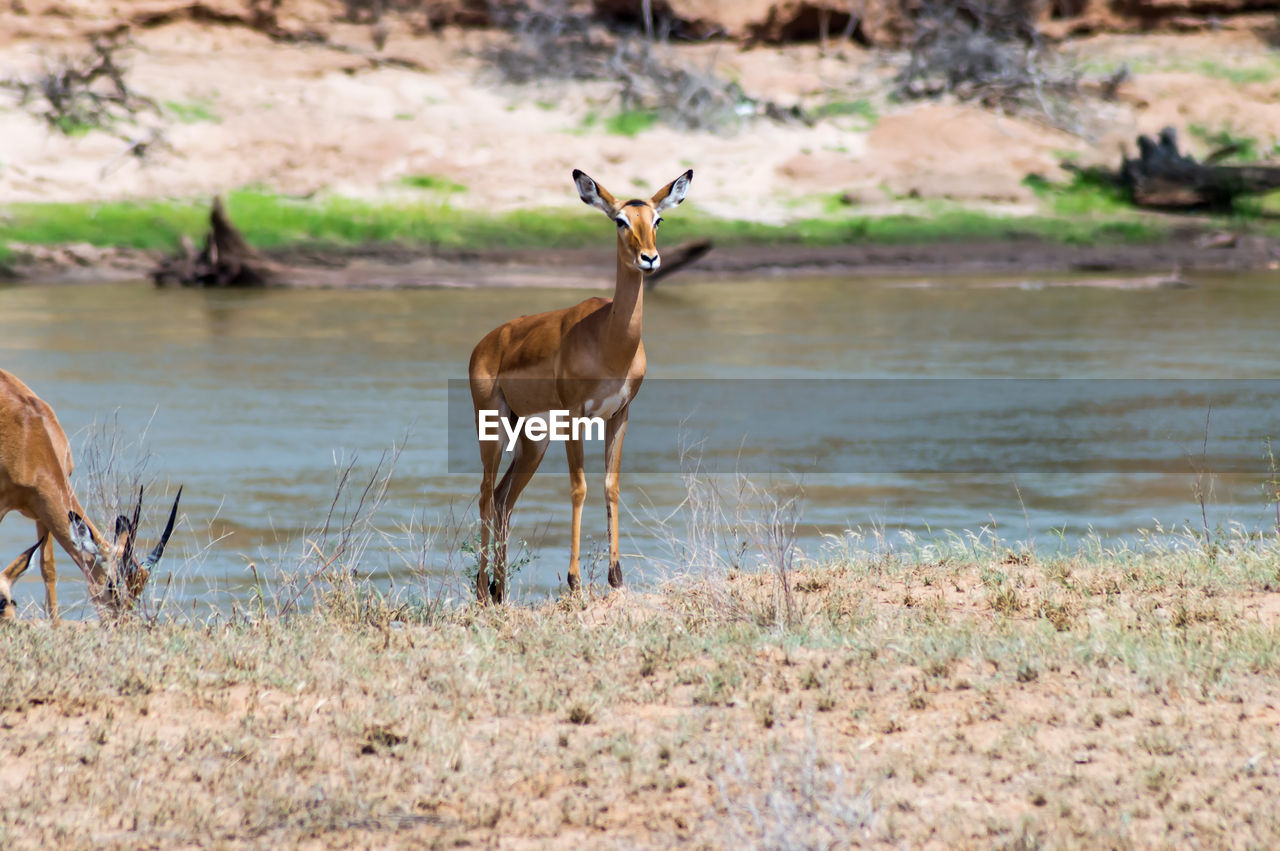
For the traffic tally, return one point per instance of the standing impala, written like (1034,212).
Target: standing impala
(587,360)
(35,468)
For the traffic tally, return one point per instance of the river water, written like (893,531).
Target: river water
(255,401)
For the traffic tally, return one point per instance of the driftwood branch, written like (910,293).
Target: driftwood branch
(675,259)
(1163,177)
(225,260)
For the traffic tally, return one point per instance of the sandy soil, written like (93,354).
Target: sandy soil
(999,703)
(242,110)
(313,119)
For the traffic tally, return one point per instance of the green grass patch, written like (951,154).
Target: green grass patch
(1239,75)
(1086,194)
(1248,149)
(197,111)
(269,220)
(631,122)
(148,225)
(1257,210)
(860,109)
(1261,70)
(431,183)
(68,126)
(938,225)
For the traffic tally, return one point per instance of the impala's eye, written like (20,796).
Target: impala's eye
(656,222)
(622,222)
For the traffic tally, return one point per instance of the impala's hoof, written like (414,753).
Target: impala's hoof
(615,575)
(574,583)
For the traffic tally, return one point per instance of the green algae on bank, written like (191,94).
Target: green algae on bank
(274,221)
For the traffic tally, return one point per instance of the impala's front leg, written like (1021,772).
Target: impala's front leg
(614,431)
(48,573)
(578,492)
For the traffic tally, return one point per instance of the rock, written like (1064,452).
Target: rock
(467,13)
(1081,17)
(880,23)
(802,20)
(460,13)
(734,17)
(690,19)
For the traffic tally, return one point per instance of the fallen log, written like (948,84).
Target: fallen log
(1164,178)
(675,259)
(225,260)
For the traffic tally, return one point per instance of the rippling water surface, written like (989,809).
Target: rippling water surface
(256,401)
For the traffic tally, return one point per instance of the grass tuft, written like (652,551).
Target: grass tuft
(1088,193)
(631,122)
(197,111)
(432,183)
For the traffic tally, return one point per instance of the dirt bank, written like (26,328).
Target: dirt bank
(424,118)
(389,267)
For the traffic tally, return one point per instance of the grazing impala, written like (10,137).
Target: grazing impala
(587,360)
(9,612)
(35,470)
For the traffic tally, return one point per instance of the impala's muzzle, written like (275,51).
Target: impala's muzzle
(648,262)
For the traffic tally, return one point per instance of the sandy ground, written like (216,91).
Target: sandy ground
(314,119)
(1005,702)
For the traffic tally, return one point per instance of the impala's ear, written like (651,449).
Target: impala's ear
(82,537)
(22,562)
(595,195)
(673,193)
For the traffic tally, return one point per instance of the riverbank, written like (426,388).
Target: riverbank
(402,153)
(346,243)
(949,694)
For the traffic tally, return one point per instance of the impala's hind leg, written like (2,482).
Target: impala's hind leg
(528,455)
(490,457)
(578,493)
(490,460)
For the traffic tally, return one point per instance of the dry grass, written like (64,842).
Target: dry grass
(952,696)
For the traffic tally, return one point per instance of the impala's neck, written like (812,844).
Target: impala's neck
(49,505)
(625,316)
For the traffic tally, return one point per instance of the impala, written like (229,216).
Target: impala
(588,360)
(8,612)
(35,471)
